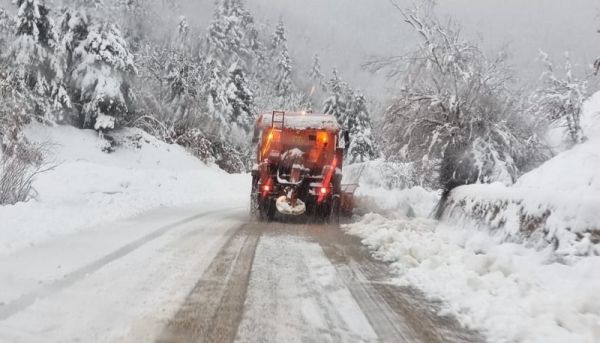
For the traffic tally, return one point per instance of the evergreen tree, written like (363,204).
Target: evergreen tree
(279,37)
(316,75)
(240,100)
(183,33)
(35,66)
(283,78)
(6,29)
(358,124)
(74,28)
(232,50)
(337,102)
(103,66)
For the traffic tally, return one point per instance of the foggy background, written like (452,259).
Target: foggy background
(347,33)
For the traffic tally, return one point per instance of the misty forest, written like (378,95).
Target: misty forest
(456,114)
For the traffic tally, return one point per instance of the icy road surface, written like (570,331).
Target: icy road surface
(184,275)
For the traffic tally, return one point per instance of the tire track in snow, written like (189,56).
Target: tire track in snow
(397,314)
(26,300)
(213,309)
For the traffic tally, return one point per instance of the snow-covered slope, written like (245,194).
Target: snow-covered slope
(88,187)
(557,204)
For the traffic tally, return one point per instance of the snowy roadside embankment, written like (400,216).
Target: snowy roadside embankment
(88,187)
(520,263)
(569,222)
(508,291)
(557,204)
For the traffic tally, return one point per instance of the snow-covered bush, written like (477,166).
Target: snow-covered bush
(20,160)
(560,99)
(454,107)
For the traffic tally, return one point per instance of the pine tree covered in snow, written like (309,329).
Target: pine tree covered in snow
(7,30)
(279,37)
(103,66)
(350,110)
(560,100)
(337,102)
(34,62)
(358,123)
(240,100)
(316,82)
(230,53)
(316,76)
(283,78)
(73,29)
(281,70)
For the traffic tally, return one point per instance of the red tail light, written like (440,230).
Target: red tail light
(323,190)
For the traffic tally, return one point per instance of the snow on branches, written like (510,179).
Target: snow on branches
(561,97)
(350,109)
(102,64)
(453,101)
(35,62)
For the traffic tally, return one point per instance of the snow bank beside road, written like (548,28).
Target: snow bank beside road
(545,290)
(510,292)
(89,187)
(557,204)
(375,193)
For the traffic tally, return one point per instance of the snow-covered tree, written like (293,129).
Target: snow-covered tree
(183,33)
(240,100)
(560,99)
(73,29)
(283,78)
(358,123)
(231,45)
(453,100)
(7,29)
(34,64)
(316,76)
(103,67)
(279,37)
(337,102)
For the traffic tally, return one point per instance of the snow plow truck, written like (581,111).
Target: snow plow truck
(298,169)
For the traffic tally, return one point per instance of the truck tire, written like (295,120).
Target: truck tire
(266,210)
(335,211)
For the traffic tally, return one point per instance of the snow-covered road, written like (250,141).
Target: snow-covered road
(186,275)
(118,283)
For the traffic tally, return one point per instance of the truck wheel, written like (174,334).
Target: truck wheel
(266,210)
(335,210)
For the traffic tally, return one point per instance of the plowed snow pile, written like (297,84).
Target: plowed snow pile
(88,187)
(513,287)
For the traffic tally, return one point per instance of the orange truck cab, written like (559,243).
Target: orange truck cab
(298,165)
